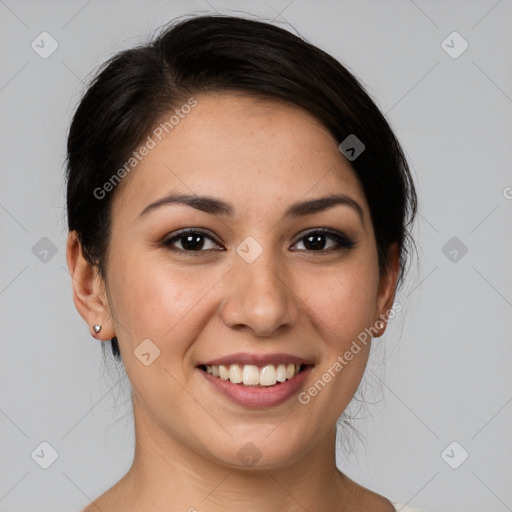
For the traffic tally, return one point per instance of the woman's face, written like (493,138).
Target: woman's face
(254,281)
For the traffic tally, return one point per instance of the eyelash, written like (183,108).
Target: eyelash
(343,242)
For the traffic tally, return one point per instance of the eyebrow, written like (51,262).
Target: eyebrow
(215,206)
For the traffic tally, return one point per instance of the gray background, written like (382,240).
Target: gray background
(442,371)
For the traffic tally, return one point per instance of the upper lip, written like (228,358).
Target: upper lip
(256,359)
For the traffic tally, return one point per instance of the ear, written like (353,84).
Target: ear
(89,293)
(386,290)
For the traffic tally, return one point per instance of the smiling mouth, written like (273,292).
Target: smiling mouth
(253,375)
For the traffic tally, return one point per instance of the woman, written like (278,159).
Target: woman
(239,215)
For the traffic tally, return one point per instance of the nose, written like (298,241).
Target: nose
(259,297)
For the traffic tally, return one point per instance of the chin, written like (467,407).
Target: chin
(254,451)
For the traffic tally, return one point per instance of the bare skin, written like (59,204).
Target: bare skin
(200,304)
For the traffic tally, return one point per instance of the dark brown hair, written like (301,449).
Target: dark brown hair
(137,87)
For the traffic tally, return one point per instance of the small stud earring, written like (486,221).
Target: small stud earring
(97,328)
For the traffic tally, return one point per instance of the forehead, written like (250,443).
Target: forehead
(242,149)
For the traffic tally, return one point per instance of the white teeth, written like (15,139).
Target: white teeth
(235,374)
(268,375)
(252,375)
(223,372)
(281,373)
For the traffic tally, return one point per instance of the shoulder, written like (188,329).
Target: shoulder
(92,507)
(103,503)
(117,497)
(401,507)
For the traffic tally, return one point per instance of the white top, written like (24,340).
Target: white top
(400,507)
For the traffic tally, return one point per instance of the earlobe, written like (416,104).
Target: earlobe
(387,288)
(89,294)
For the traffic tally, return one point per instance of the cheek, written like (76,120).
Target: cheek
(344,303)
(158,301)
(161,304)
(342,307)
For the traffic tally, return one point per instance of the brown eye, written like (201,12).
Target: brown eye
(321,240)
(191,241)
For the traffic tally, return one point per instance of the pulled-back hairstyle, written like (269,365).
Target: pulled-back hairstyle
(136,88)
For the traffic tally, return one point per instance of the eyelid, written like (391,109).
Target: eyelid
(341,238)
(176,235)
(343,241)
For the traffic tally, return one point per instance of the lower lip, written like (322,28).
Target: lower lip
(259,397)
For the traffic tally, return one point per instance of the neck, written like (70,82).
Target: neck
(167,475)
